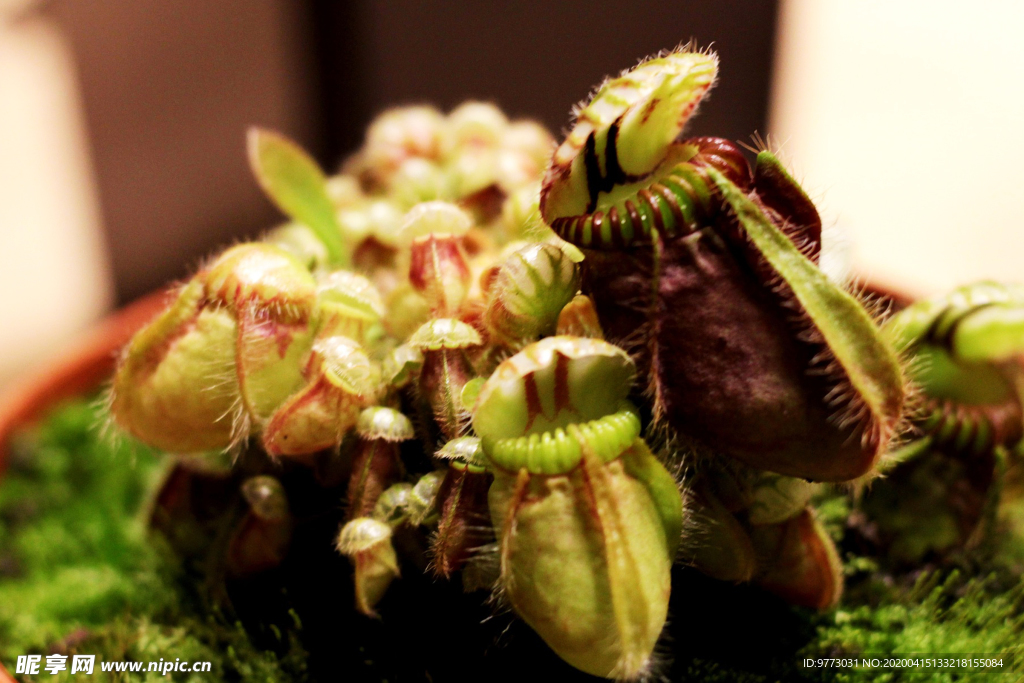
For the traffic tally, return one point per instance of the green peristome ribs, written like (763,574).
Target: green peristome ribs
(297,186)
(846,327)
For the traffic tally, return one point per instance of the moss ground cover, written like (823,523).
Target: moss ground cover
(81,574)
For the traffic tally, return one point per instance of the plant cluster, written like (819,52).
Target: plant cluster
(554,372)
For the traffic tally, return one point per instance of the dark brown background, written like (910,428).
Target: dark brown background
(170,88)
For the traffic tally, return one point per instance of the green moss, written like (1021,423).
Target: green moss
(192,639)
(939,615)
(79,574)
(1010,533)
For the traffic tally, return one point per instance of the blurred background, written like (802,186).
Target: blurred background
(122,123)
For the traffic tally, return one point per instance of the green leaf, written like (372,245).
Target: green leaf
(295,183)
(846,327)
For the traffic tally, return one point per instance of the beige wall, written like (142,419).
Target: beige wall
(54,276)
(905,119)
(122,129)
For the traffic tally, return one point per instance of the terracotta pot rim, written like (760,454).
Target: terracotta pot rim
(81,368)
